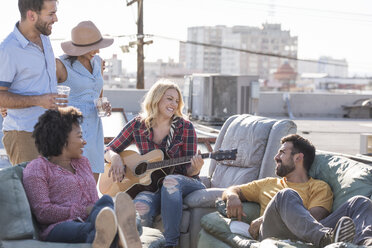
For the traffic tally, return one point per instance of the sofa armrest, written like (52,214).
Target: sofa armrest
(206,181)
(203,197)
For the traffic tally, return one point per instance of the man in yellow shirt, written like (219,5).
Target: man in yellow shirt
(297,206)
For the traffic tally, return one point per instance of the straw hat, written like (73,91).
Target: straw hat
(85,37)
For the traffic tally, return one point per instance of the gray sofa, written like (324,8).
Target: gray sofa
(17,227)
(347,178)
(257,140)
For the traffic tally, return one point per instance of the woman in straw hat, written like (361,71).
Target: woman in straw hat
(81,69)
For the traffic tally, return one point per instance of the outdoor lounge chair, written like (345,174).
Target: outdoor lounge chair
(257,140)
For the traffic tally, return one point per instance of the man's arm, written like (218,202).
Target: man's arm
(320,201)
(234,197)
(319,213)
(15,101)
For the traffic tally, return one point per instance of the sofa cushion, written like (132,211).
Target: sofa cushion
(203,197)
(213,222)
(218,226)
(346,177)
(280,129)
(249,134)
(15,213)
(206,240)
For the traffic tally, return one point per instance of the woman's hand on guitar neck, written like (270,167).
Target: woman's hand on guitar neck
(117,169)
(196,165)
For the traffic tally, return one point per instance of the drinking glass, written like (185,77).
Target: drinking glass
(63,90)
(100,103)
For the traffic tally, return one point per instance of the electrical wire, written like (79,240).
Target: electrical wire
(249,51)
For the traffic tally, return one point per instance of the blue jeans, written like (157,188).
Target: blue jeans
(286,217)
(168,201)
(80,232)
(83,232)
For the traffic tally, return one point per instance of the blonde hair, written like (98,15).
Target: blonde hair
(150,108)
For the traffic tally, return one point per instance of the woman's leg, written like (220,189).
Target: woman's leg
(80,232)
(175,188)
(104,201)
(147,206)
(70,232)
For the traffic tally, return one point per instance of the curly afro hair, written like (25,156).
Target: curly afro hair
(52,130)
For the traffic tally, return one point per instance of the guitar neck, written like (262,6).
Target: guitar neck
(174,161)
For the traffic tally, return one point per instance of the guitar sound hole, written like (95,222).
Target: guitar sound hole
(141,168)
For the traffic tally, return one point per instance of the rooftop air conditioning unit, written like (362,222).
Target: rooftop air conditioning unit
(214,98)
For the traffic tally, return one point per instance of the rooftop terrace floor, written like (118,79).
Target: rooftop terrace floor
(334,135)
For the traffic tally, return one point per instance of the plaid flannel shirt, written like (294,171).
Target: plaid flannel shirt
(184,141)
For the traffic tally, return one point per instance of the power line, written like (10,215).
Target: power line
(134,36)
(249,51)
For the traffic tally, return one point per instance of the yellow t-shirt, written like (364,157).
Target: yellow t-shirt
(314,193)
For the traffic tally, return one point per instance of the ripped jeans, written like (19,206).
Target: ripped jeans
(168,201)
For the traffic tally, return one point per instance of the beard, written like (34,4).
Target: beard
(42,27)
(284,169)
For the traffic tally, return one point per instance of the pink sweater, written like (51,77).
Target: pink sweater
(55,194)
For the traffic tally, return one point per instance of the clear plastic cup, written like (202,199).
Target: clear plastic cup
(63,90)
(100,102)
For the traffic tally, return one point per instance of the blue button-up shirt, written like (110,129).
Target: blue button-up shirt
(26,70)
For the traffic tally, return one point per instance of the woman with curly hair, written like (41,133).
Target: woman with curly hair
(62,191)
(161,125)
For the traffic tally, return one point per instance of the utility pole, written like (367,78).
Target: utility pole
(140,57)
(140,43)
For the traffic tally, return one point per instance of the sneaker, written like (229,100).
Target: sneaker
(344,230)
(106,228)
(127,226)
(367,242)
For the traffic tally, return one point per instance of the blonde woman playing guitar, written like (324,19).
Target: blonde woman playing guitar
(161,125)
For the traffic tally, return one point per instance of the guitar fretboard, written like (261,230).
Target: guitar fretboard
(174,161)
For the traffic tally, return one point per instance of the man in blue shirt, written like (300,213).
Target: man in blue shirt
(27,77)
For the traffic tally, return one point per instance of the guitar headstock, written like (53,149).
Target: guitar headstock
(224,155)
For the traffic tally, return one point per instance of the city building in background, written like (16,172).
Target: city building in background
(115,76)
(164,70)
(268,39)
(328,65)
(274,73)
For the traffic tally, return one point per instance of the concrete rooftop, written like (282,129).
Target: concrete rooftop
(339,135)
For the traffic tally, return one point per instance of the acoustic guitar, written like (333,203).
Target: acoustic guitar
(146,172)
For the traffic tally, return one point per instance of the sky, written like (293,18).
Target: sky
(341,29)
